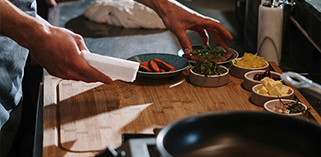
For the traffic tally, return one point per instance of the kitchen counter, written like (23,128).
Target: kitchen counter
(115,41)
(71,106)
(82,119)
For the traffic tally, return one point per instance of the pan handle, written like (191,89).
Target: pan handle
(302,82)
(108,152)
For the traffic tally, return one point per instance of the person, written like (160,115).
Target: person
(58,50)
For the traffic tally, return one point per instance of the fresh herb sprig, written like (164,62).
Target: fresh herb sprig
(208,68)
(294,107)
(210,53)
(205,63)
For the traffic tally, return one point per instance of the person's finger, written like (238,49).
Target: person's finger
(212,25)
(184,41)
(219,41)
(204,35)
(188,56)
(83,72)
(93,73)
(81,43)
(76,68)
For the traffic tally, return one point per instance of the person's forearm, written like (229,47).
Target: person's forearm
(18,25)
(56,49)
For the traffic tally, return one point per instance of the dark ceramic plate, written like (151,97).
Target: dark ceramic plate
(179,63)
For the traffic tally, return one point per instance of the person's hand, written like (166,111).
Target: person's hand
(178,19)
(59,52)
(56,49)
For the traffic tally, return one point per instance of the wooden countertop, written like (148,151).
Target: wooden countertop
(82,119)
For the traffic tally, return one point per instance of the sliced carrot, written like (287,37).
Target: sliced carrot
(154,66)
(145,63)
(164,65)
(145,68)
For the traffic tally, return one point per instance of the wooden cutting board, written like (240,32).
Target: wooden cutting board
(82,119)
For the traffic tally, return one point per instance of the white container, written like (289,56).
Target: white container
(270,26)
(272,103)
(260,99)
(209,81)
(238,71)
(249,82)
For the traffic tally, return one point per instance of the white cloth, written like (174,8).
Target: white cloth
(125,13)
(115,68)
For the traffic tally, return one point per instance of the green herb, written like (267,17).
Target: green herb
(208,68)
(205,63)
(210,53)
(295,107)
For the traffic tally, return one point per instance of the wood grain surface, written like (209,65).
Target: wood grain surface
(82,119)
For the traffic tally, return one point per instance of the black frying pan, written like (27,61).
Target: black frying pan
(240,133)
